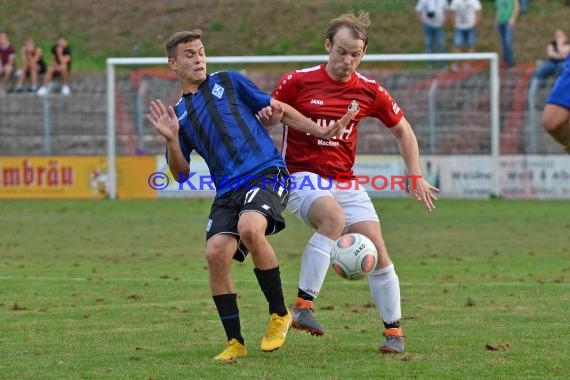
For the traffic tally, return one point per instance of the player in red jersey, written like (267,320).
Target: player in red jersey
(324,93)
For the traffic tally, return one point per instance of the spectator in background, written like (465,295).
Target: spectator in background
(466,15)
(60,65)
(431,14)
(32,65)
(7,60)
(556,51)
(507,13)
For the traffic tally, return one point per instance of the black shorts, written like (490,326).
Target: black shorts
(266,193)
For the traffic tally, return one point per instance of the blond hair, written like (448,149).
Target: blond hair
(358,25)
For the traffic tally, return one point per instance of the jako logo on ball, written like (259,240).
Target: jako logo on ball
(353,256)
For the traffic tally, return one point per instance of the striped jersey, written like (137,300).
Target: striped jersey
(316,95)
(219,122)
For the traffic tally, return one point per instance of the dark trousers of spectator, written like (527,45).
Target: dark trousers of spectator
(549,68)
(506,33)
(434,41)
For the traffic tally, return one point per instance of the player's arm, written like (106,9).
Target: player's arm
(165,122)
(178,165)
(282,112)
(270,116)
(408,146)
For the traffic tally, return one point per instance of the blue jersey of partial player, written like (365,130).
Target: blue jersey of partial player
(219,122)
(560,93)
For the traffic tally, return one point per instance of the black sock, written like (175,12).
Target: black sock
(270,283)
(229,315)
(304,295)
(393,325)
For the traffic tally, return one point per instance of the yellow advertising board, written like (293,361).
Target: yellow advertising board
(132,177)
(73,177)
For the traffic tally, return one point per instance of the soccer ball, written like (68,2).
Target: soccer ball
(353,256)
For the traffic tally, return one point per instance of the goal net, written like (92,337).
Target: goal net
(453,111)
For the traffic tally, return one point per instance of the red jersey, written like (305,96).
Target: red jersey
(316,95)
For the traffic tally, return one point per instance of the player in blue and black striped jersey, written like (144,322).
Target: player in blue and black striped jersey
(216,117)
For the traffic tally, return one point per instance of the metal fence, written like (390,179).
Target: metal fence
(449,112)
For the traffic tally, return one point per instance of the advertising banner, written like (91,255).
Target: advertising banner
(520,177)
(535,177)
(73,177)
(132,177)
(30,177)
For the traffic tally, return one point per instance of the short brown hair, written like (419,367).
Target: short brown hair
(180,38)
(358,25)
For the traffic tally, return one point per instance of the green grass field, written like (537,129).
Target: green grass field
(92,290)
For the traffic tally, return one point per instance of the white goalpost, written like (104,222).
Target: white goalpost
(493,83)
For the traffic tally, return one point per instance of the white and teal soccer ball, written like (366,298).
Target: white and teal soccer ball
(353,256)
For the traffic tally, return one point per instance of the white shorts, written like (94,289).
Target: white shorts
(306,187)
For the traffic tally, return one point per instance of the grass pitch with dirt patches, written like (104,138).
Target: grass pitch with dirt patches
(100,289)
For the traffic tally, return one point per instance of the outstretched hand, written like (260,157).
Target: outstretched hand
(424,192)
(272,114)
(163,119)
(338,126)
